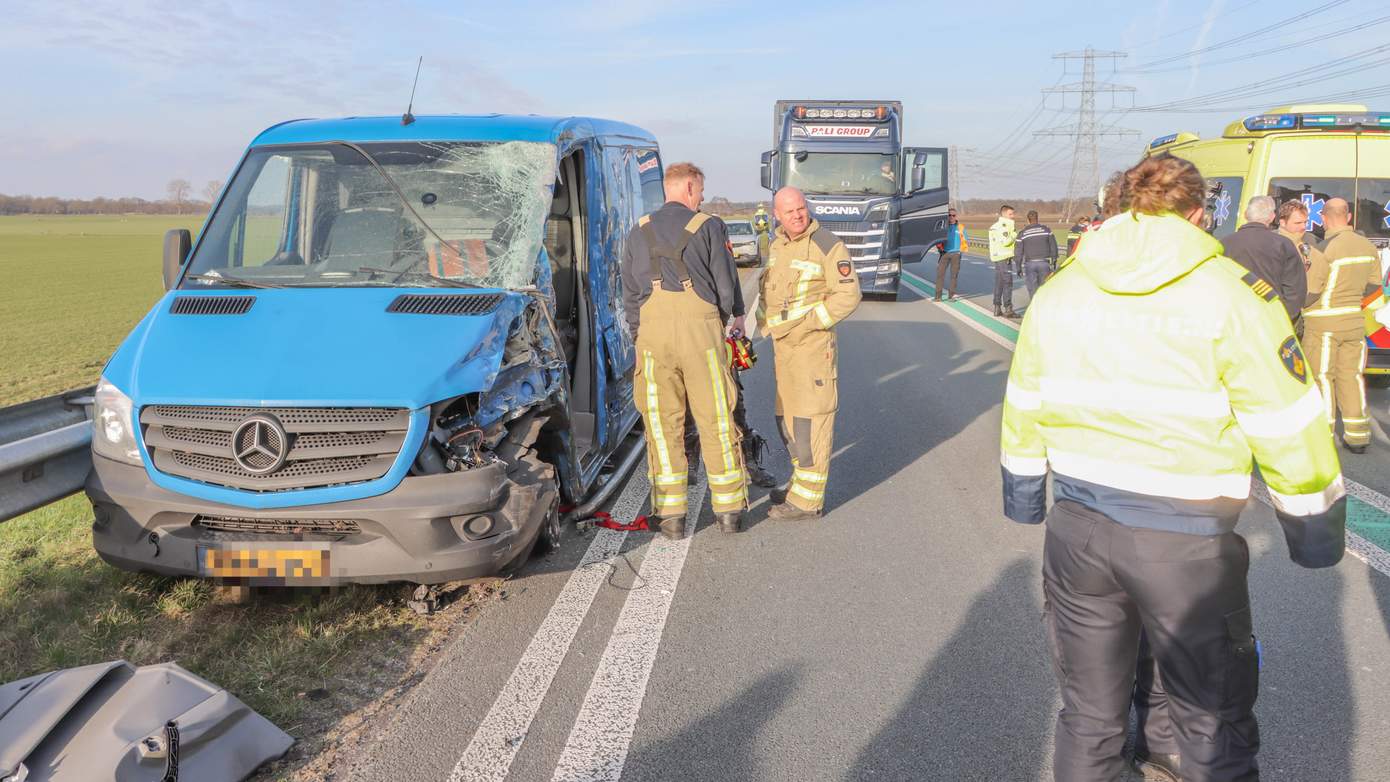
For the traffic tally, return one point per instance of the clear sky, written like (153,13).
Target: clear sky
(106,98)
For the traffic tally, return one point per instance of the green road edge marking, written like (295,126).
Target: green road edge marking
(927,289)
(1368,524)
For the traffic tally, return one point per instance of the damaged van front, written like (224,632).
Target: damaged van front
(375,365)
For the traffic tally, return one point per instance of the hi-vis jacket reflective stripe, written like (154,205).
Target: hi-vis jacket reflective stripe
(1339,278)
(809,282)
(1147,377)
(1001,240)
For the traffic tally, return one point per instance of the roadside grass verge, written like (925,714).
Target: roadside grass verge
(303,659)
(73,286)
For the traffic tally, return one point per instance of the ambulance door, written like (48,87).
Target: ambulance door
(922,219)
(1312,169)
(1372,206)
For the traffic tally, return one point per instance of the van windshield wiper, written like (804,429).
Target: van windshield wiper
(402,274)
(231,282)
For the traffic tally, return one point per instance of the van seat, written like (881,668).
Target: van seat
(362,236)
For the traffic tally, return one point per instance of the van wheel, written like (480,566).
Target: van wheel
(552,533)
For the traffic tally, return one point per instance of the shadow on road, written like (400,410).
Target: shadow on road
(980,710)
(732,728)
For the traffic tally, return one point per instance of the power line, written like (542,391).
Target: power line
(1180,31)
(1274,49)
(1247,36)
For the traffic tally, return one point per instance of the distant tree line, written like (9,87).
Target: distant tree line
(181,200)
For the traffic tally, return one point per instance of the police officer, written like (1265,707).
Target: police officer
(1035,250)
(809,286)
(1001,254)
(1149,437)
(1334,338)
(679,284)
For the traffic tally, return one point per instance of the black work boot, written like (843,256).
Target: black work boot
(777,496)
(670,527)
(786,511)
(997,311)
(760,477)
(730,522)
(1158,767)
(1009,313)
(753,448)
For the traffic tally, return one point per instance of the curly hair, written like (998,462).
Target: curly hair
(1164,183)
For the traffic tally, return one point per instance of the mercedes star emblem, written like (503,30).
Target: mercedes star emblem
(259,445)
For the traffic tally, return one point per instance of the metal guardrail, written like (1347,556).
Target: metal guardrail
(45,450)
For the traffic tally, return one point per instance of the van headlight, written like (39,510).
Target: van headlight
(112,435)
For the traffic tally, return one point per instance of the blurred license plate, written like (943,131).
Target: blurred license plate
(269,562)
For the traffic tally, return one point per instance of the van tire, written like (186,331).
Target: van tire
(552,534)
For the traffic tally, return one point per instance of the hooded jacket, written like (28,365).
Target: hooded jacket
(1150,373)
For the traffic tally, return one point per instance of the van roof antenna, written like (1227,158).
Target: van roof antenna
(407,117)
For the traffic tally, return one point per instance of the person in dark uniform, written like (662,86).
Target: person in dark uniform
(1270,256)
(1074,235)
(680,288)
(1035,251)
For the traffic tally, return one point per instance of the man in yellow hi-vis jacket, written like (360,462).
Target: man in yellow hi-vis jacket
(1150,374)
(809,286)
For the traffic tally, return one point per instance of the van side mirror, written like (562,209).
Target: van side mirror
(177,243)
(766,170)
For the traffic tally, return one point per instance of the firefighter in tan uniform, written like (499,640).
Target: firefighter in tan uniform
(809,286)
(1334,339)
(679,284)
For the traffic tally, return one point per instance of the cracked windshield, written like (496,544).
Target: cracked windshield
(407,214)
(841,172)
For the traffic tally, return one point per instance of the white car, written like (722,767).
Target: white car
(744,242)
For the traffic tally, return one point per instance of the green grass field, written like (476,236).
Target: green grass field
(72,287)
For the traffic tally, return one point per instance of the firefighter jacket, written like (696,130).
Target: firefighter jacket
(1074,236)
(1149,376)
(1345,271)
(705,262)
(809,284)
(1001,240)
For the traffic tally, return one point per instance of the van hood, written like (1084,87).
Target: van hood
(330,347)
(1136,253)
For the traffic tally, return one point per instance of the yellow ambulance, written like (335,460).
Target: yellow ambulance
(1309,153)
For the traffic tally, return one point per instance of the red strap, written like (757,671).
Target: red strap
(603,519)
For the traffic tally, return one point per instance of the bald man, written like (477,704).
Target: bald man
(809,286)
(1334,339)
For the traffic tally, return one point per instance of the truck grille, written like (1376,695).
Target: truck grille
(863,242)
(326,446)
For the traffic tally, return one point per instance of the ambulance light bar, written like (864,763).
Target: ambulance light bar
(1291,121)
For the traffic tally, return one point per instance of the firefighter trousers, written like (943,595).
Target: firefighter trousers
(1337,360)
(1105,584)
(805,409)
(681,360)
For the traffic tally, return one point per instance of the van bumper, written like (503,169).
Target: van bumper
(424,531)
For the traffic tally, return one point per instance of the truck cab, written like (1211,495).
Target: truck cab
(1309,153)
(395,350)
(886,202)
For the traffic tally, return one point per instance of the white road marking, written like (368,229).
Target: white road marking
(489,755)
(997,339)
(597,747)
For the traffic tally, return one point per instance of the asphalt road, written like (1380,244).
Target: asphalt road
(897,639)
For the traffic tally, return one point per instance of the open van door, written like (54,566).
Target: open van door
(922,219)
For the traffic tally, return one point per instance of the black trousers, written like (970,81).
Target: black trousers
(947,263)
(1004,284)
(1103,583)
(1035,273)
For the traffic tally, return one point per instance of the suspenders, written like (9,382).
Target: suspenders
(660,250)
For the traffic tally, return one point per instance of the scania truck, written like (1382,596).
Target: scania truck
(394,352)
(1309,153)
(886,202)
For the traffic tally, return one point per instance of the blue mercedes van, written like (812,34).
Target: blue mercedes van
(394,353)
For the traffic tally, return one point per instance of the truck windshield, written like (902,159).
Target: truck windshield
(861,173)
(428,214)
(1369,198)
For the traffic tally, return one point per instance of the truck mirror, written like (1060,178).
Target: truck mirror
(176,245)
(919,177)
(767,170)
